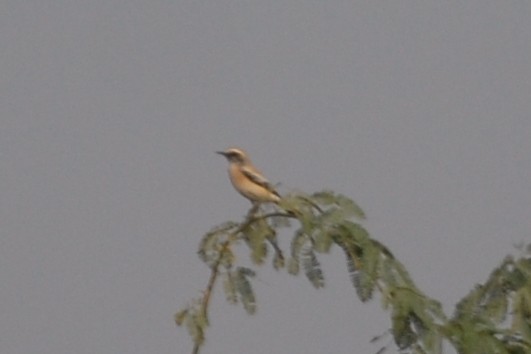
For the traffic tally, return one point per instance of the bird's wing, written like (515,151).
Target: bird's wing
(257,178)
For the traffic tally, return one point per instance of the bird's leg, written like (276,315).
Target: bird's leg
(254,209)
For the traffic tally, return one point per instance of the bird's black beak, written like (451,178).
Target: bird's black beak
(222,153)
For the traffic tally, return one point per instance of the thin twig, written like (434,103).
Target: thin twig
(267,216)
(207,294)
(210,286)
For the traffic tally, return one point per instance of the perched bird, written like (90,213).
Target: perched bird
(247,180)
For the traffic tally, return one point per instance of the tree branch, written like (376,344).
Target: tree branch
(214,273)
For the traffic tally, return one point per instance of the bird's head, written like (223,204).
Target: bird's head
(235,155)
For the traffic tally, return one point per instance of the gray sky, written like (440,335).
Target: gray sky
(110,112)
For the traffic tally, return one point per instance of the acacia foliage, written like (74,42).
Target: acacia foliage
(494,318)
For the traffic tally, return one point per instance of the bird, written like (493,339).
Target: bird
(247,180)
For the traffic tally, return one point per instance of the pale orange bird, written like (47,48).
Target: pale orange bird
(247,180)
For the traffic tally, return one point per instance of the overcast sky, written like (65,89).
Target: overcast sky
(110,113)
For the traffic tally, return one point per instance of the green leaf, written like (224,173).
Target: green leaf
(352,254)
(330,216)
(401,275)
(208,250)
(181,316)
(229,286)
(247,272)
(210,244)
(388,274)
(243,287)
(255,236)
(523,266)
(200,317)
(497,306)
(432,341)
(280,221)
(418,323)
(298,204)
(293,266)
(258,253)
(401,329)
(195,329)
(227,258)
(522,313)
(324,198)
(417,349)
(289,202)
(368,274)
(312,268)
(297,243)
(364,285)
(349,207)
(403,335)
(323,241)
(354,231)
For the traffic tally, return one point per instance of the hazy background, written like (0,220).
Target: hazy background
(110,113)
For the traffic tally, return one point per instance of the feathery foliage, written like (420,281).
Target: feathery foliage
(244,289)
(493,318)
(312,268)
(496,314)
